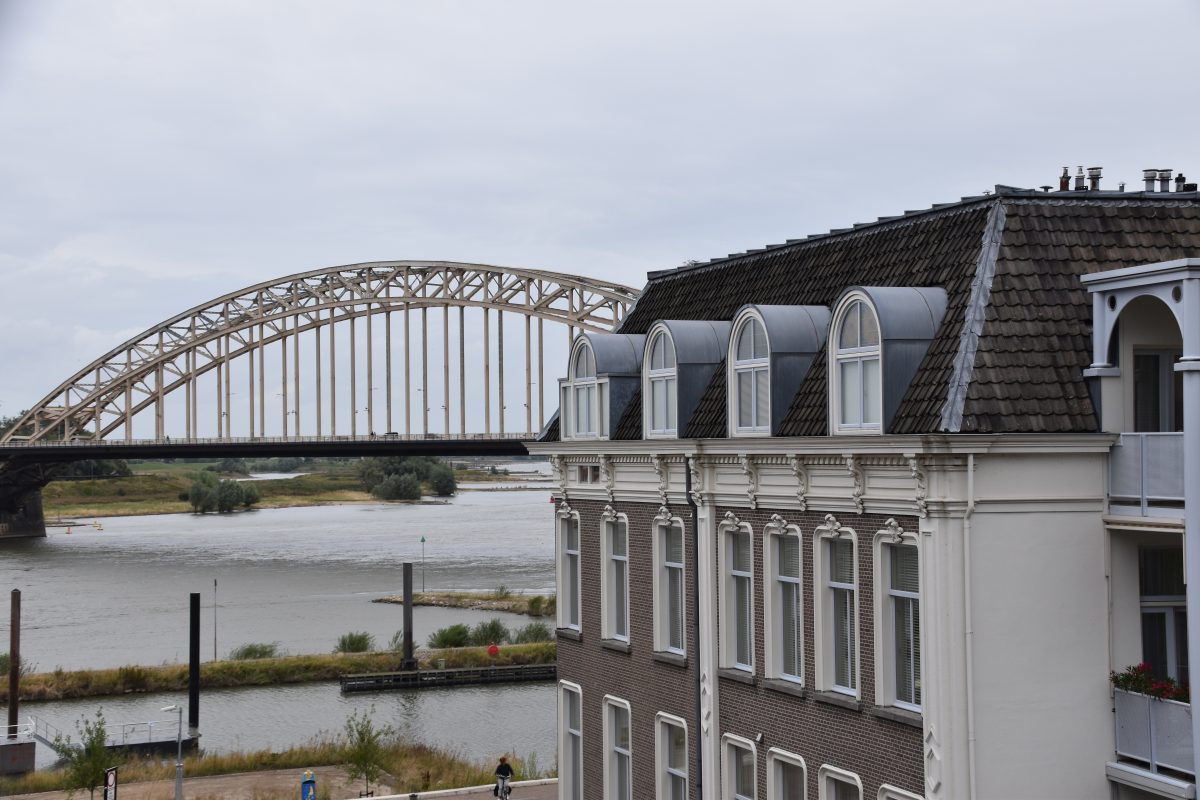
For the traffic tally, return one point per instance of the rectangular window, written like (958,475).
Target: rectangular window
(602,409)
(739,771)
(662,405)
(785,776)
(570,573)
(616,583)
(673,760)
(1164,611)
(789,619)
(904,596)
(671,588)
(571,775)
(619,785)
(841,790)
(842,591)
(584,401)
(851,392)
(741,601)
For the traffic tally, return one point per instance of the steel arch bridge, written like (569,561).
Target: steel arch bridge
(286,333)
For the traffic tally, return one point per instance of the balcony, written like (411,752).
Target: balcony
(1145,475)
(1154,745)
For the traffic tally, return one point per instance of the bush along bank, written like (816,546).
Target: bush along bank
(66,685)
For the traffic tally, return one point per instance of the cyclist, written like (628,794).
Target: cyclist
(504,773)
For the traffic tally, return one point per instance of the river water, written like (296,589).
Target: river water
(300,577)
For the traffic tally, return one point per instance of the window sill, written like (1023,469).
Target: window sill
(665,657)
(785,687)
(739,675)
(838,699)
(901,715)
(616,645)
(570,633)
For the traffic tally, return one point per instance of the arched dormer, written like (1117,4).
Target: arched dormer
(878,337)
(680,358)
(770,352)
(602,377)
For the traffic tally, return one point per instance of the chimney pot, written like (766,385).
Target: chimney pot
(1121,186)
(1064,180)
(1079,181)
(1148,175)
(1179,182)
(1189,187)
(1094,178)
(1164,180)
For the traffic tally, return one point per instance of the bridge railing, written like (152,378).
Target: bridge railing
(381,438)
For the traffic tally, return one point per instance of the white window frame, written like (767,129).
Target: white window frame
(728,622)
(885,667)
(775,757)
(827,772)
(570,388)
(773,601)
(889,792)
(608,589)
(650,377)
(661,587)
(567,516)
(823,609)
(728,742)
(662,769)
(565,778)
(751,365)
(610,747)
(838,356)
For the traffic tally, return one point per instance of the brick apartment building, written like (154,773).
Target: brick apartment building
(875,513)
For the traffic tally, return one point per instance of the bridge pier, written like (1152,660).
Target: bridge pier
(22,517)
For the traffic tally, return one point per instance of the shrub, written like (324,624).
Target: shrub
(133,677)
(398,487)
(502,592)
(250,494)
(229,496)
(203,498)
(1139,678)
(441,480)
(492,631)
(396,643)
(535,606)
(355,642)
(458,635)
(533,632)
(255,650)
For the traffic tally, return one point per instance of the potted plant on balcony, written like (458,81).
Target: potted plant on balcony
(1140,678)
(1153,719)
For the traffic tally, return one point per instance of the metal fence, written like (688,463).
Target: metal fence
(1146,470)
(1156,732)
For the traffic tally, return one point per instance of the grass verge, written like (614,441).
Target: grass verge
(532,605)
(66,685)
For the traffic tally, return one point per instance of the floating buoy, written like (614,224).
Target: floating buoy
(68,530)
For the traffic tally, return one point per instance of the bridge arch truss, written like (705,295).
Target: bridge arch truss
(294,323)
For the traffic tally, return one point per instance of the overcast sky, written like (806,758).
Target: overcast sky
(156,154)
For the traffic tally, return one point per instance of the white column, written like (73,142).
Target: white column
(1189,365)
(706,576)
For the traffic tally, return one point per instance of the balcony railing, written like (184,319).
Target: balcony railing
(1155,732)
(1145,474)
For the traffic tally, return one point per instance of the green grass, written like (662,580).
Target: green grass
(65,685)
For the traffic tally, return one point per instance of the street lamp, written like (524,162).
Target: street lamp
(178,751)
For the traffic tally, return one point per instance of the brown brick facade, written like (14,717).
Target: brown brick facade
(650,686)
(877,749)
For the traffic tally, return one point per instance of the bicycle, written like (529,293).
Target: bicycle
(503,790)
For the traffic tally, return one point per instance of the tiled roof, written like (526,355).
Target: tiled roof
(1035,335)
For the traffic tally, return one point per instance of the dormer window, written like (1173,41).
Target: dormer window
(855,368)
(751,379)
(583,396)
(661,381)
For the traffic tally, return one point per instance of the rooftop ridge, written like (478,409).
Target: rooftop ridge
(1002,193)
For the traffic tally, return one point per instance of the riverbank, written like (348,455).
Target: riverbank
(499,599)
(407,768)
(74,684)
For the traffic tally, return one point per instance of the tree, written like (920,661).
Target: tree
(202,497)
(398,487)
(86,762)
(250,494)
(441,480)
(364,747)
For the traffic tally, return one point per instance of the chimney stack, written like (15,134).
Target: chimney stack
(1064,181)
(1180,181)
(1079,182)
(1164,180)
(1148,175)
(1094,178)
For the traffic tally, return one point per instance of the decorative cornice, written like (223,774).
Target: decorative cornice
(800,473)
(854,467)
(921,477)
(697,473)
(832,525)
(750,470)
(558,465)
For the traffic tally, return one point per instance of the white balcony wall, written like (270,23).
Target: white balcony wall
(1146,474)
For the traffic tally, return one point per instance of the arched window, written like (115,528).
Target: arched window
(583,381)
(751,378)
(661,402)
(857,392)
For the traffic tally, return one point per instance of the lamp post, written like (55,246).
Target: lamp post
(422,563)
(178,750)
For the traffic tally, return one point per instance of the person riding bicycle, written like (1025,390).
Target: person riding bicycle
(505,771)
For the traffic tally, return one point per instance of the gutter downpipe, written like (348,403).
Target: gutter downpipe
(970,629)
(687,491)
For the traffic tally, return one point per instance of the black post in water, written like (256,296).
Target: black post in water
(409,662)
(194,665)
(14,664)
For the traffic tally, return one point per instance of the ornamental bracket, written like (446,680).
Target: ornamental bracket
(854,467)
(750,470)
(662,471)
(607,475)
(800,473)
(921,478)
